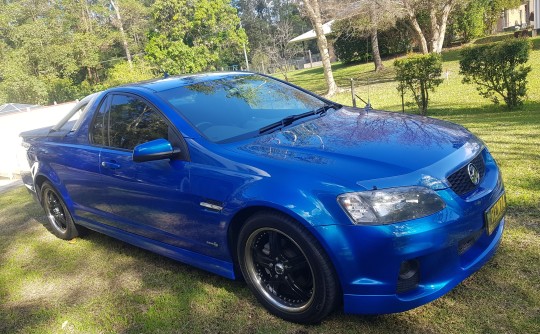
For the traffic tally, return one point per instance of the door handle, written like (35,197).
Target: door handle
(110,165)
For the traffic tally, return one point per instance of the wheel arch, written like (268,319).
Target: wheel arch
(239,219)
(42,178)
(38,183)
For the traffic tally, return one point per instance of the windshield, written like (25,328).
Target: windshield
(228,109)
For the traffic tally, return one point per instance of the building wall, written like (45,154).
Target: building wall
(13,158)
(536,12)
(520,17)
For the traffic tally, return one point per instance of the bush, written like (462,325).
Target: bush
(498,70)
(419,74)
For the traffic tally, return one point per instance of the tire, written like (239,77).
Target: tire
(59,220)
(286,268)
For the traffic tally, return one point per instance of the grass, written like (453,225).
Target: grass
(450,97)
(100,285)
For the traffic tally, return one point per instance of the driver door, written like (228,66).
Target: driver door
(150,199)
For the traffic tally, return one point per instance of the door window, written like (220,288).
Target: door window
(132,122)
(97,129)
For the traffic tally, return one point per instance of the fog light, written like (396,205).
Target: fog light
(409,276)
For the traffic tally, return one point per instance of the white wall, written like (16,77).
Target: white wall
(12,157)
(536,14)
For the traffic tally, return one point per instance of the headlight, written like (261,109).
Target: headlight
(379,207)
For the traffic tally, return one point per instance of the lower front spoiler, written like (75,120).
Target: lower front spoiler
(384,304)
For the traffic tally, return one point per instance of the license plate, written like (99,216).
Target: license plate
(495,214)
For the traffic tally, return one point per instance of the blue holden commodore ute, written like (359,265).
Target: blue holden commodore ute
(314,204)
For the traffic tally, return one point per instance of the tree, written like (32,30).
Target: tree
(313,11)
(351,46)
(125,72)
(412,11)
(438,12)
(280,52)
(498,70)
(269,26)
(370,17)
(195,36)
(494,9)
(59,50)
(467,22)
(120,26)
(419,74)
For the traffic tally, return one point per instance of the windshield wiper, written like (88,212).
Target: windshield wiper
(292,118)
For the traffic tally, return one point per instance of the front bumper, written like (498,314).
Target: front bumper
(448,247)
(439,273)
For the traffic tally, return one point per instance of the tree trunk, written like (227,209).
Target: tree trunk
(438,25)
(122,33)
(416,27)
(314,14)
(375,50)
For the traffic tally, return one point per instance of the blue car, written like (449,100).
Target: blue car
(314,204)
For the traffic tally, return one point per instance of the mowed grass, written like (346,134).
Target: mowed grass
(97,284)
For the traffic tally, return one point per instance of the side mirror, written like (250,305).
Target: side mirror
(158,149)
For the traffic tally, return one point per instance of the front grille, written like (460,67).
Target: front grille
(460,181)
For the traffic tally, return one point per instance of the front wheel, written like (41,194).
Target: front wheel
(286,268)
(59,221)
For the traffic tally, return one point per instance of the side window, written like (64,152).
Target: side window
(97,129)
(132,122)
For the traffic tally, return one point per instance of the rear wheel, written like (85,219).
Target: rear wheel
(59,220)
(286,268)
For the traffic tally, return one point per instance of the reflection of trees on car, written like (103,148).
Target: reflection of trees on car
(133,122)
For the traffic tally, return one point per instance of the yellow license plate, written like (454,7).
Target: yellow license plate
(495,214)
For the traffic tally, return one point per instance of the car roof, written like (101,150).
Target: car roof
(159,85)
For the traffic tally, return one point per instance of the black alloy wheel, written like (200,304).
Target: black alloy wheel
(286,268)
(280,269)
(59,220)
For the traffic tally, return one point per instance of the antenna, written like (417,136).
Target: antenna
(368,104)
(165,75)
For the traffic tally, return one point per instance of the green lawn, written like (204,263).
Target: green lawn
(100,285)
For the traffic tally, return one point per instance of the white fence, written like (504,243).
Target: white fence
(12,158)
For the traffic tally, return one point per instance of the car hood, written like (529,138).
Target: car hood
(372,149)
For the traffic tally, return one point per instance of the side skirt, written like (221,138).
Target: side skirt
(219,267)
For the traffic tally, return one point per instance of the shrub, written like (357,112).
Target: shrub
(419,74)
(498,70)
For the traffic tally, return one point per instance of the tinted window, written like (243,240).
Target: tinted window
(97,129)
(132,122)
(228,108)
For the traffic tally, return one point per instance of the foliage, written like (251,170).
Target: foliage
(494,8)
(54,51)
(194,36)
(122,73)
(263,20)
(467,22)
(498,70)
(419,74)
(352,47)
(60,89)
